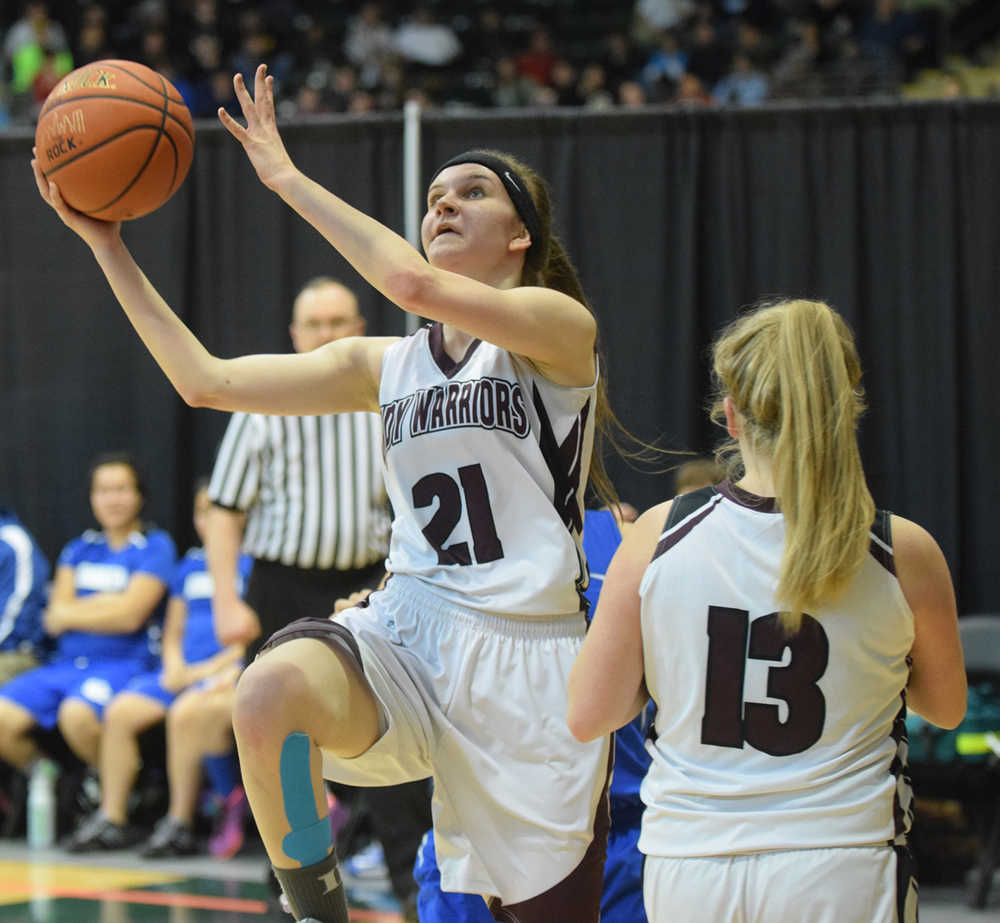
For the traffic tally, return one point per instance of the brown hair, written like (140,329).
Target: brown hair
(793,374)
(547,264)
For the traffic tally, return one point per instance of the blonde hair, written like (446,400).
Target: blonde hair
(793,374)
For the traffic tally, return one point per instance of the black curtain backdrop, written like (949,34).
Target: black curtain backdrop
(675,219)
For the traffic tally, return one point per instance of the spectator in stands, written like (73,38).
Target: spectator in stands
(537,61)
(891,40)
(631,95)
(744,85)
(24,575)
(26,46)
(512,89)
(621,59)
(368,44)
(421,39)
(592,88)
(191,654)
(664,67)
(106,593)
(563,81)
(708,56)
(92,39)
(691,91)
(796,72)
(650,18)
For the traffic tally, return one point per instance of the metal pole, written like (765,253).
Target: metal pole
(411,184)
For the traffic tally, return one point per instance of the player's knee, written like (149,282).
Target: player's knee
(75,717)
(271,696)
(118,716)
(14,721)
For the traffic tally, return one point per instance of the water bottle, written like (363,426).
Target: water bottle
(42,805)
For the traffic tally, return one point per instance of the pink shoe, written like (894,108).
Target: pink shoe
(338,814)
(229,831)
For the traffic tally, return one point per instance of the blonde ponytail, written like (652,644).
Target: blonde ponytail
(793,373)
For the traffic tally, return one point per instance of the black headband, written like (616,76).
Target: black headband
(516,188)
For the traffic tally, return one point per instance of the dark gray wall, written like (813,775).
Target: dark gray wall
(675,220)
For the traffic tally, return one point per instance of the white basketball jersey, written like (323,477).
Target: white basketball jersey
(485,464)
(764,742)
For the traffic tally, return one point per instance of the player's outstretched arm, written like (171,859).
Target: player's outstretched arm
(377,252)
(338,377)
(542,324)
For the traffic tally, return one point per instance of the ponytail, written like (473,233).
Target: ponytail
(793,374)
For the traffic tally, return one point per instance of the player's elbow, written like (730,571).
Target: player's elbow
(945,709)
(411,288)
(582,724)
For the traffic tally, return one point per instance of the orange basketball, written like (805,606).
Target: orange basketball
(116,138)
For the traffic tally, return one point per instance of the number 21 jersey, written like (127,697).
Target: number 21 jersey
(485,464)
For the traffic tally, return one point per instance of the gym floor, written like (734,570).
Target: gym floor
(52,886)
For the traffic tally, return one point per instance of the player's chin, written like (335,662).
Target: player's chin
(444,253)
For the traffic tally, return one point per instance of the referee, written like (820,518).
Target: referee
(303,496)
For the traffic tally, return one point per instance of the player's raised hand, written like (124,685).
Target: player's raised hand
(95,233)
(260,138)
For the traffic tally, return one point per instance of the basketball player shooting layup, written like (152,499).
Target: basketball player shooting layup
(459,667)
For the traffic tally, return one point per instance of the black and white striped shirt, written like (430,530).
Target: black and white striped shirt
(311,487)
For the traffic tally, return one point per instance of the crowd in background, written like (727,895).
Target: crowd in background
(362,56)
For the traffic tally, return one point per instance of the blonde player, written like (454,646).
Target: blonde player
(782,625)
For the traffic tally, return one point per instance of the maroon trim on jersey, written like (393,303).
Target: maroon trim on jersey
(448,366)
(882,530)
(744,498)
(564,461)
(885,558)
(578,896)
(675,535)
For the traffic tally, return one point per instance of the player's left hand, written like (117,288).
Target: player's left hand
(260,138)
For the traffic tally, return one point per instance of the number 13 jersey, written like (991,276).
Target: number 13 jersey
(765,741)
(485,464)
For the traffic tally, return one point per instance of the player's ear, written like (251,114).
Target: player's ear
(732,417)
(521,242)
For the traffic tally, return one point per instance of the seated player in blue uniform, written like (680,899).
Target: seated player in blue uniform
(191,654)
(24,577)
(107,590)
(621,899)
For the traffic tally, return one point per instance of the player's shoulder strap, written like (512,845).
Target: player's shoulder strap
(882,526)
(685,504)
(880,545)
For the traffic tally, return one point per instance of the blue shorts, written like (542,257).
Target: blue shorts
(148,684)
(621,900)
(41,691)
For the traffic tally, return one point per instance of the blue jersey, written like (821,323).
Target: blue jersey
(99,568)
(24,576)
(193,583)
(601,537)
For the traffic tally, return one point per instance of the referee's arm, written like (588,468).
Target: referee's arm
(234,621)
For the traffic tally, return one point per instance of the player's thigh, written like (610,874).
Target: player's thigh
(132,713)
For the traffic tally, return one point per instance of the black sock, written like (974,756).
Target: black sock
(315,891)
